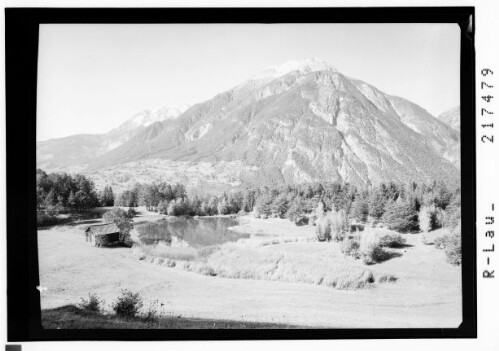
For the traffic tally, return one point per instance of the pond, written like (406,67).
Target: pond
(197,232)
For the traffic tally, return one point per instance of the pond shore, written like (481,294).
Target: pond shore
(427,292)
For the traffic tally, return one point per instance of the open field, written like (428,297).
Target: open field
(426,293)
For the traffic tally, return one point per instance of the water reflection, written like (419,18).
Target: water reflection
(196,232)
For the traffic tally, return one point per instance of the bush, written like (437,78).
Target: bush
(92,304)
(451,244)
(128,304)
(301,220)
(388,238)
(371,248)
(350,247)
(151,313)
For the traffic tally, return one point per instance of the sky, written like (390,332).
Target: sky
(93,77)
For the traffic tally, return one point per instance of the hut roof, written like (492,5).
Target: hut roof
(103,229)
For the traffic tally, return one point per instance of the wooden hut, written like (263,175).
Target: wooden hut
(107,234)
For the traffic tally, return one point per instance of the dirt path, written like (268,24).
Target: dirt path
(427,294)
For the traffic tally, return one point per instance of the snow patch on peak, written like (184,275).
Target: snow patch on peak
(148,117)
(302,66)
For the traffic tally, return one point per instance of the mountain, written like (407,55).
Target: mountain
(302,121)
(78,150)
(451,117)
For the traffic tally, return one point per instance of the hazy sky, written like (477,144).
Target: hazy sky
(93,77)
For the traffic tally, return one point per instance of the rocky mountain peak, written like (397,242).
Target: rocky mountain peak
(301,66)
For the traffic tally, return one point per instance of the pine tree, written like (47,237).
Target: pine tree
(360,209)
(279,206)
(376,204)
(262,205)
(400,216)
(295,210)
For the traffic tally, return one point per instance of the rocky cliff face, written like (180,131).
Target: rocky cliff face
(304,122)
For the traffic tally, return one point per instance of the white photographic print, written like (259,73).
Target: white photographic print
(249,176)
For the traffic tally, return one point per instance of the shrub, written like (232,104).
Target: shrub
(301,220)
(453,249)
(350,247)
(151,312)
(451,244)
(128,304)
(388,238)
(92,304)
(371,249)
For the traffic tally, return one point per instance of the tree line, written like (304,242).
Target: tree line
(398,205)
(403,207)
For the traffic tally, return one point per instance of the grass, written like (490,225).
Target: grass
(300,262)
(165,252)
(284,257)
(72,317)
(278,259)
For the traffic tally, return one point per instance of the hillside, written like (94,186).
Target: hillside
(299,122)
(74,152)
(310,123)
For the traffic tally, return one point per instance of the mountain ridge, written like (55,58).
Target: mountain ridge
(302,123)
(76,150)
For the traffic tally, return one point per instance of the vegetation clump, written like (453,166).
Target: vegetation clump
(370,245)
(451,244)
(351,247)
(92,304)
(388,238)
(371,250)
(128,304)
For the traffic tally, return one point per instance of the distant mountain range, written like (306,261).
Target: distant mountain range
(78,150)
(298,122)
